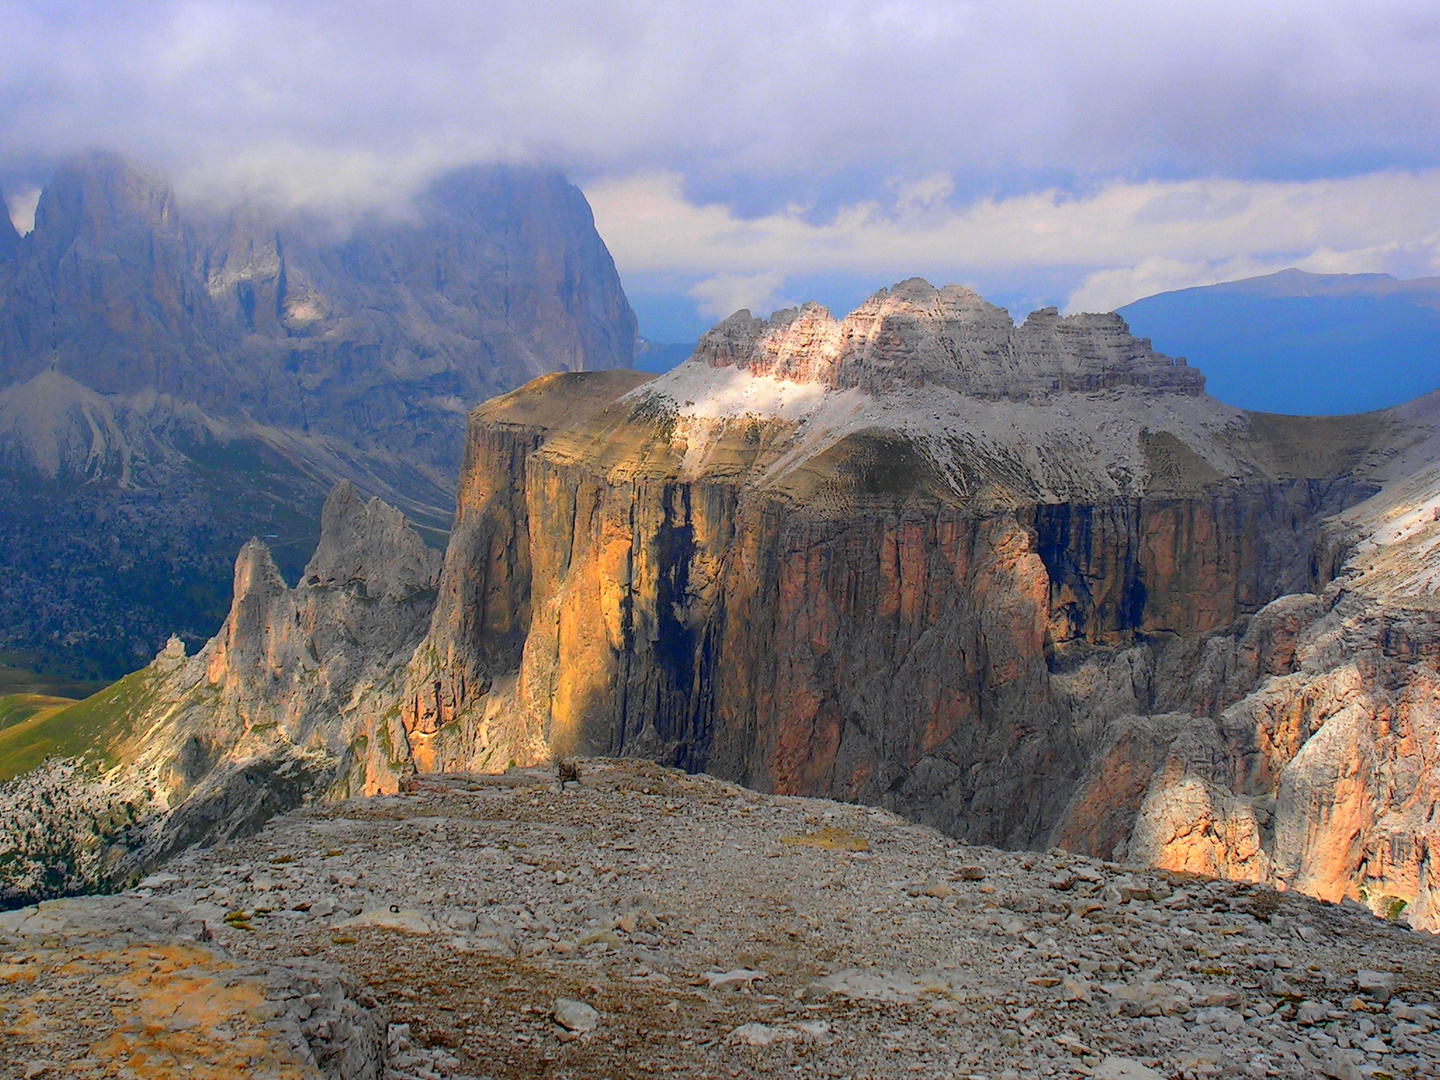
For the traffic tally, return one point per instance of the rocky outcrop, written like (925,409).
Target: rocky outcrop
(184,1000)
(291,699)
(949,337)
(842,559)
(174,379)
(1124,619)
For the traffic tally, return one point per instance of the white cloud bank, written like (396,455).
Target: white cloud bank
(1125,240)
(1246,134)
(327,99)
(20,205)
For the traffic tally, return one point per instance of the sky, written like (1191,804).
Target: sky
(742,154)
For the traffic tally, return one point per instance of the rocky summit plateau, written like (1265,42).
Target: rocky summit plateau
(1025,587)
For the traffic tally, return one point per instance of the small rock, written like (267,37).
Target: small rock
(575,1016)
(969,873)
(758,1034)
(461,920)
(1211,999)
(1227,1020)
(740,977)
(1076,989)
(607,938)
(404,921)
(1379,985)
(818,1030)
(1311,1012)
(1118,1068)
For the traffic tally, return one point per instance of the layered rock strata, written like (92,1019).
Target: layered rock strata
(1025,592)
(1121,618)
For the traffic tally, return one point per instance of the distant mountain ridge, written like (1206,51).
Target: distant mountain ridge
(174,380)
(383,333)
(1301,343)
(1292,282)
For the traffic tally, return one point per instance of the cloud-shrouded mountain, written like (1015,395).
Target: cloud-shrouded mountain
(172,381)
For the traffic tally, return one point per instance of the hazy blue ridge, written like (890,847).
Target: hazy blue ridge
(1302,343)
(657,357)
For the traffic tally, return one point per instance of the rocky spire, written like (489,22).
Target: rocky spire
(103,200)
(369,547)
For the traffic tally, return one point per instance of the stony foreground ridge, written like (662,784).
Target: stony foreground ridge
(1127,621)
(641,921)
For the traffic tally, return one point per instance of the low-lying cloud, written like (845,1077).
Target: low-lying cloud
(1120,241)
(1134,142)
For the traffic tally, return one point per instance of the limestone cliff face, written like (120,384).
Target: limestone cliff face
(382,333)
(1306,754)
(1027,584)
(482,614)
(1107,612)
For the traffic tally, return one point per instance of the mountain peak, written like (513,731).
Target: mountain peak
(917,334)
(99,194)
(370,547)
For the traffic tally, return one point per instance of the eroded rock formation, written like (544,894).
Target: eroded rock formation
(1026,584)
(1098,610)
(288,701)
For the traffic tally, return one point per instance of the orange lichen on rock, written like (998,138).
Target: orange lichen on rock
(144,1011)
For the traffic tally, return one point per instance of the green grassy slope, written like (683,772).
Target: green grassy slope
(17,677)
(17,708)
(69,728)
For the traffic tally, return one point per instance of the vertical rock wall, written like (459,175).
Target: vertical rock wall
(902,652)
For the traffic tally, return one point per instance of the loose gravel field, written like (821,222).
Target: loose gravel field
(642,921)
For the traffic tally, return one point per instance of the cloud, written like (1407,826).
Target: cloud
(1122,240)
(20,204)
(922,194)
(725,294)
(1120,145)
(792,96)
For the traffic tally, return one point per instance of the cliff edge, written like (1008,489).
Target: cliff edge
(1026,584)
